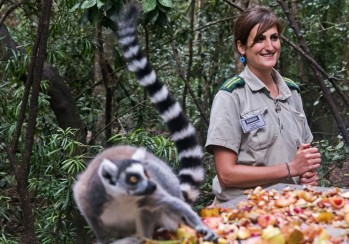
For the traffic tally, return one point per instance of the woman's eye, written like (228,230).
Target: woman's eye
(260,39)
(274,37)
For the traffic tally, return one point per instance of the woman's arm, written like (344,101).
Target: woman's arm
(230,174)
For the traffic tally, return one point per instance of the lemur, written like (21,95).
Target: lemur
(128,191)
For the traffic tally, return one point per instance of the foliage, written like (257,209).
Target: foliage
(58,156)
(90,110)
(206,195)
(51,180)
(332,156)
(159,145)
(105,12)
(52,183)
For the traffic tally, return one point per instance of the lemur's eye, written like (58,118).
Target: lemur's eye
(133,179)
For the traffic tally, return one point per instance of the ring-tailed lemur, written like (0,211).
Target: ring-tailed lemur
(126,190)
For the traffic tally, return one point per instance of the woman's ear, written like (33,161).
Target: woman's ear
(241,48)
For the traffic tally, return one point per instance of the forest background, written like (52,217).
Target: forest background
(65,93)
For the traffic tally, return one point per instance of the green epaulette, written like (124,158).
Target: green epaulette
(232,83)
(291,84)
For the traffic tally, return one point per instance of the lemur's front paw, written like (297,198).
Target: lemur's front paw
(209,235)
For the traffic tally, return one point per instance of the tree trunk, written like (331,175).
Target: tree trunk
(64,107)
(30,99)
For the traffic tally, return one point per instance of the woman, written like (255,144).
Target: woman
(258,132)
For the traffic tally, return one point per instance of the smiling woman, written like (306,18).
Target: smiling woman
(262,54)
(265,125)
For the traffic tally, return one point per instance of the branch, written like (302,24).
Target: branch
(190,58)
(182,75)
(214,23)
(111,122)
(9,10)
(305,51)
(234,5)
(307,57)
(108,81)
(186,77)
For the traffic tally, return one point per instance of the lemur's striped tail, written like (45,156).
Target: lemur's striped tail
(191,173)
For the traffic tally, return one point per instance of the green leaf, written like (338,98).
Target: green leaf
(113,14)
(340,145)
(337,157)
(75,7)
(166,3)
(151,17)
(149,5)
(101,3)
(92,14)
(88,4)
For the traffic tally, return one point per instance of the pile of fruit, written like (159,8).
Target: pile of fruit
(268,216)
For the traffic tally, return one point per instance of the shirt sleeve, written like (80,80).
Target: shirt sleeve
(224,128)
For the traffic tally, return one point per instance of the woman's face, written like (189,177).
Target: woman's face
(262,55)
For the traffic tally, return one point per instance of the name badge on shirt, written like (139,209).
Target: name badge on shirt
(252,123)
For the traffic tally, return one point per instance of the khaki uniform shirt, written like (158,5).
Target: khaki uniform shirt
(277,142)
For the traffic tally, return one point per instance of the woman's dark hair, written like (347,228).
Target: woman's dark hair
(250,18)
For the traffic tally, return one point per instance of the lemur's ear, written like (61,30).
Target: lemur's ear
(140,154)
(108,171)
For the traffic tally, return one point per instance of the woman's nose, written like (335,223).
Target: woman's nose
(268,44)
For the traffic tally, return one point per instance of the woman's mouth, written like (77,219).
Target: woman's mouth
(267,54)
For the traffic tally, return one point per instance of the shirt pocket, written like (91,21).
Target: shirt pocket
(264,137)
(300,121)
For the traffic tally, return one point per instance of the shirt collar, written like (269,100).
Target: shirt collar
(256,84)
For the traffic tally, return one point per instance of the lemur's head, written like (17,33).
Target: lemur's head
(125,176)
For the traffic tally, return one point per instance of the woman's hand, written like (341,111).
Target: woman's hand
(306,161)
(309,178)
